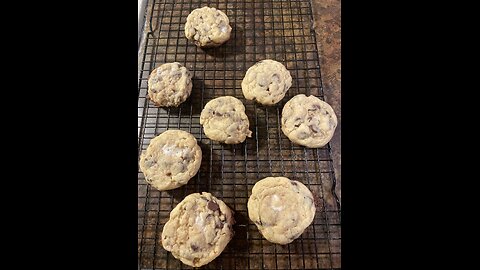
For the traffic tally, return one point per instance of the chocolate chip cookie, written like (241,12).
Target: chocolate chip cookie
(199,229)
(267,82)
(171,159)
(224,120)
(308,121)
(207,27)
(282,209)
(169,85)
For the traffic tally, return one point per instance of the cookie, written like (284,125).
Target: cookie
(207,27)
(198,230)
(267,82)
(282,209)
(169,85)
(224,120)
(171,159)
(308,121)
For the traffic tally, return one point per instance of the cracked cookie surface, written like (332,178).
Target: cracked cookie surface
(281,208)
(171,159)
(224,120)
(169,85)
(207,27)
(308,121)
(199,229)
(267,82)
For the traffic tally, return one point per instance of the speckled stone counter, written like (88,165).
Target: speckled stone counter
(327,16)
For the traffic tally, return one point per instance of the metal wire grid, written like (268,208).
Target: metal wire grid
(280,30)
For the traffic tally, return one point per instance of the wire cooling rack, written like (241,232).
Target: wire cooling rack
(280,30)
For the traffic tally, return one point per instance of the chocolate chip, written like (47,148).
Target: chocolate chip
(168,174)
(276,78)
(294,183)
(298,121)
(194,247)
(212,206)
(315,107)
(314,128)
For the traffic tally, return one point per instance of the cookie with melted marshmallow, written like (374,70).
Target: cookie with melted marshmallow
(171,159)
(281,208)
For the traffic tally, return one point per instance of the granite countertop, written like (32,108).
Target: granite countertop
(327,16)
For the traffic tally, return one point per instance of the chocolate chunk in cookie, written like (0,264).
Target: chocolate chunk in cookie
(213,206)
